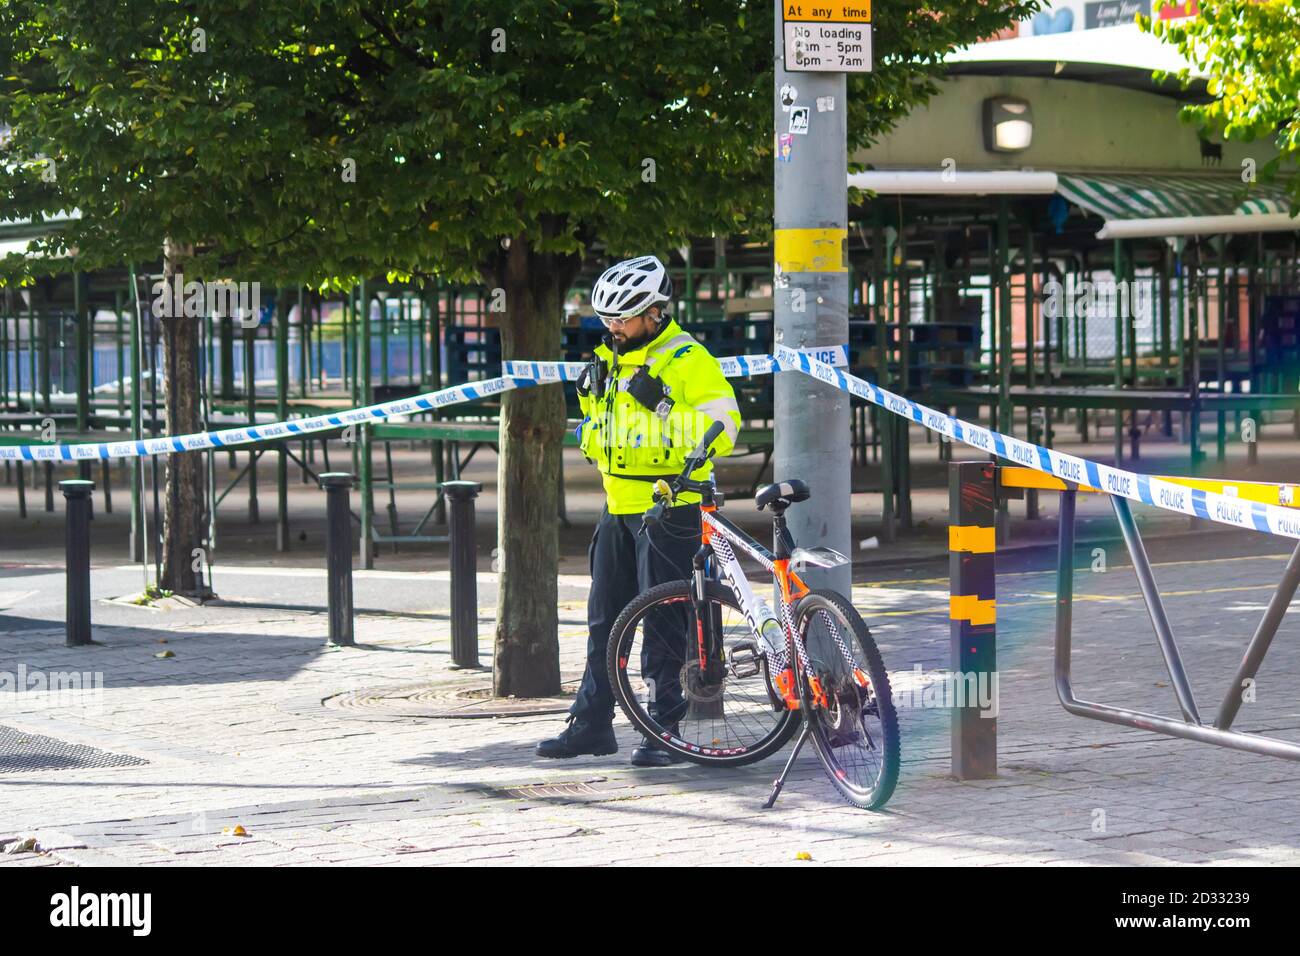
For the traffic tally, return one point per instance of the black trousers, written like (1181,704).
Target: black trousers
(623,565)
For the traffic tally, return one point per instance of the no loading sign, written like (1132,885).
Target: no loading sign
(831,36)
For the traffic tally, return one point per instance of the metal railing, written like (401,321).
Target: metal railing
(976,490)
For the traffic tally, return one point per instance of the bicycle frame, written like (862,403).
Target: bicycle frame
(717,535)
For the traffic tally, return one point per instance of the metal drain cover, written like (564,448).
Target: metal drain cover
(441,700)
(550,791)
(21,752)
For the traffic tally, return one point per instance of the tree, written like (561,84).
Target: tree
(212,133)
(319,141)
(1248,50)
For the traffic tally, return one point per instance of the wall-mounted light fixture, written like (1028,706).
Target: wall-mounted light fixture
(1008,124)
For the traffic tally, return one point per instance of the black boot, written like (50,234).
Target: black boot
(651,753)
(578,739)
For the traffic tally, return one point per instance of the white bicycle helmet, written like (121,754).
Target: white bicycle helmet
(630,287)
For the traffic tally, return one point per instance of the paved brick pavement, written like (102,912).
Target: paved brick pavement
(234,733)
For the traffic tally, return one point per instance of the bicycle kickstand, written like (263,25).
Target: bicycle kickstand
(789,764)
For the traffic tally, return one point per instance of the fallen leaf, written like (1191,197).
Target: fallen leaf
(803,855)
(22,846)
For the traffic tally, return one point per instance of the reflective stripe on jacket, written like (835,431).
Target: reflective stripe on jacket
(624,438)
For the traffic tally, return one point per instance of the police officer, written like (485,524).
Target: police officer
(648,396)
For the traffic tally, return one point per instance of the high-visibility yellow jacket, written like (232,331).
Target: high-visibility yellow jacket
(630,444)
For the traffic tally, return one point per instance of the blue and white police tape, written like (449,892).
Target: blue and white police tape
(1167,495)
(733,366)
(295,428)
(1212,506)
(1224,509)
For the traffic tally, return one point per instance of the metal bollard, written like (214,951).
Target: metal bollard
(972,546)
(338,550)
(464,561)
(77,496)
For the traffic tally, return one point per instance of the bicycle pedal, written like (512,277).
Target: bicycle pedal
(744,659)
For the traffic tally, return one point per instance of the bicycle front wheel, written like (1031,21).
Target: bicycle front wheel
(856,731)
(721,712)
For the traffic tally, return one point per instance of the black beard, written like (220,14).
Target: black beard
(632,344)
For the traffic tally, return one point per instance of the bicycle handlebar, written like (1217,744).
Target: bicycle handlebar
(664,495)
(702,449)
(656,512)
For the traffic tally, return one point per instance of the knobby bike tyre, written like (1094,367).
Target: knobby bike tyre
(857,739)
(730,723)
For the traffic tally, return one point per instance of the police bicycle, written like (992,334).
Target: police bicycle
(706,668)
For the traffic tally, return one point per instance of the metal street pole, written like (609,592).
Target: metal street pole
(810,300)
(136,540)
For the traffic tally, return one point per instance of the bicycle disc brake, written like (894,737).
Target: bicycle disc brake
(703,689)
(844,717)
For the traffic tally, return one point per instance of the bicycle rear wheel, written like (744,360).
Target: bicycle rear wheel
(724,714)
(856,735)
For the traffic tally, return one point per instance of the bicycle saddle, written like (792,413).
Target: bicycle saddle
(784,492)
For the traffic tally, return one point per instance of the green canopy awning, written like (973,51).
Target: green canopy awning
(1155,196)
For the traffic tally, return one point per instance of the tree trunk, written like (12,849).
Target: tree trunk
(527,651)
(183,498)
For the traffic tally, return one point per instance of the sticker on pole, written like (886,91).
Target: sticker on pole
(827,37)
(785,146)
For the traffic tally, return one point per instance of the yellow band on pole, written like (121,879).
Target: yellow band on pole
(970,607)
(811,250)
(972,538)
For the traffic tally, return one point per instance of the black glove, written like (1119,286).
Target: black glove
(592,378)
(648,390)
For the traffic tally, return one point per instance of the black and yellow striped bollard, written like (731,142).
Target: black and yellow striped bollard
(972,513)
